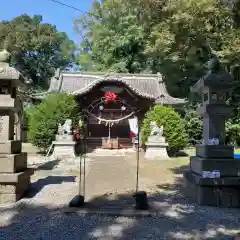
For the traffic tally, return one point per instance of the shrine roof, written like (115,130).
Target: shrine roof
(149,86)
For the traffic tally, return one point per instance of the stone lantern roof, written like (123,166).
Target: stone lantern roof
(216,78)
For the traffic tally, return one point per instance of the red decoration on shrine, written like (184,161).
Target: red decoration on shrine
(76,133)
(109,96)
(132,134)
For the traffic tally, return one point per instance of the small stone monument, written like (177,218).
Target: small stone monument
(64,145)
(14,174)
(156,145)
(213,177)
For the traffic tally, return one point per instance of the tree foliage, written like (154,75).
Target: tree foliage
(37,48)
(44,119)
(174,129)
(172,37)
(193,126)
(233,133)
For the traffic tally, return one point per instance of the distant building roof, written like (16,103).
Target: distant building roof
(150,86)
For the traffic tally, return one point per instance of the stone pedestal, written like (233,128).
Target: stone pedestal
(14,174)
(64,147)
(156,148)
(14,185)
(215,151)
(223,189)
(220,192)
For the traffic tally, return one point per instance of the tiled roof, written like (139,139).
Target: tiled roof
(150,86)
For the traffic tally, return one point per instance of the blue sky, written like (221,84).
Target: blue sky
(60,16)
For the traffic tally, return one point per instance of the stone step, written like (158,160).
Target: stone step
(107,152)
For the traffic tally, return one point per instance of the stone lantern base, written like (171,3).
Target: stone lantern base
(14,174)
(221,192)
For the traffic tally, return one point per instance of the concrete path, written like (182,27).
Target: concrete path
(109,175)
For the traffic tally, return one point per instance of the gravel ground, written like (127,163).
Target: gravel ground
(36,222)
(41,216)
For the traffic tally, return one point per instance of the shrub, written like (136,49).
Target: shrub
(44,120)
(27,112)
(174,129)
(193,126)
(233,133)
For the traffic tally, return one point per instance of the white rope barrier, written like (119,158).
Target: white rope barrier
(110,121)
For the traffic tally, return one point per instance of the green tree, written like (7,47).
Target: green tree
(193,126)
(233,132)
(37,48)
(44,119)
(113,40)
(172,37)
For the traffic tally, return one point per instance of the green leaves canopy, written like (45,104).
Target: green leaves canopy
(172,37)
(37,48)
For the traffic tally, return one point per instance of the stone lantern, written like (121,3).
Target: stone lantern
(213,177)
(14,174)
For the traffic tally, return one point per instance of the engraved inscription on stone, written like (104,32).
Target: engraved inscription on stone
(1,126)
(4,127)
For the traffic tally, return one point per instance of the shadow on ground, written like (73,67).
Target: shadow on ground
(180,169)
(178,154)
(37,186)
(175,218)
(48,165)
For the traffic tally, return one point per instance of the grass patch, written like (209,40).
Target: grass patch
(156,171)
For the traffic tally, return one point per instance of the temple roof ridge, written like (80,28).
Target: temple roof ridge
(111,74)
(115,79)
(149,86)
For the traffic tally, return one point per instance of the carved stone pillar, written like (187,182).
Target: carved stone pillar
(18,126)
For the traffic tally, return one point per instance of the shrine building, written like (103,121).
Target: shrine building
(108,100)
